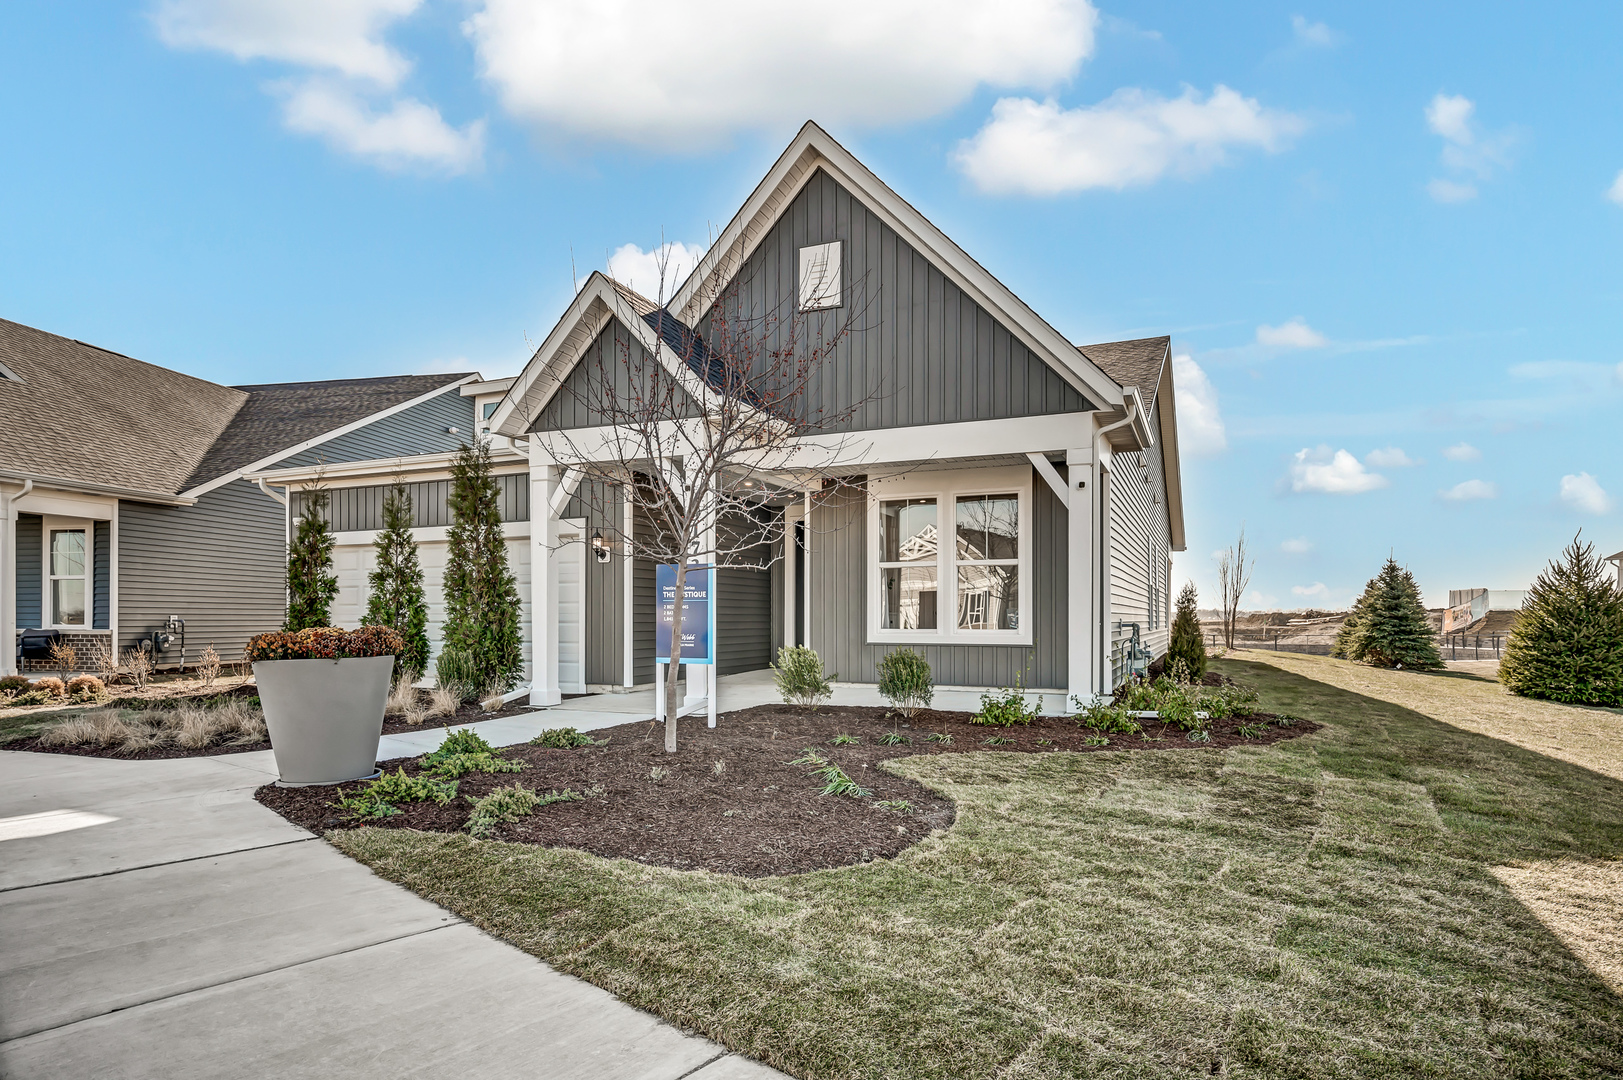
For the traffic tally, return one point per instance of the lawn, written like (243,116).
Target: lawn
(1333,905)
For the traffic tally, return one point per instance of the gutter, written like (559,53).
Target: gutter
(132,494)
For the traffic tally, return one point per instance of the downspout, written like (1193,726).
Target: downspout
(8,578)
(279,498)
(1106,637)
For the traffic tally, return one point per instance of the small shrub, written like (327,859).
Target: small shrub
(208,667)
(508,804)
(138,662)
(1096,740)
(457,743)
(800,677)
(64,657)
(1007,707)
(1187,643)
(459,765)
(564,738)
(382,797)
(457,671)
(13,684)
(996,740)
(1177,707)
(325,643)
(1199,735)
(1253,731)
(1110,719)
(939,737)
(27,698)
(1286,720)
(86,684)
(847,740)
(104,661)
(891,738)
(895,806)
(835,779)
(51,685)
(1223,702)
(905,681)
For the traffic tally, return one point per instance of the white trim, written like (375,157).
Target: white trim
(489,386)
(946,486)
(257,466)
(44,502)
(628,517)
(1046,470)
(47,606)
(420,467)
(813,148)
(112,581)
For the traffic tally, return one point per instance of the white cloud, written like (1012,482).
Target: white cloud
(1335,474)
(1313,33)
(671,76)
(1298,545)
(1468,490)
(1296,334)
(1462,451)
(1449,191)
(1318,588)
(340,35)
(1583,492)
(1200,421)
(1389,458)
(1257,600)
(641,270)
(1466,151)
(1133,137)
(409,133)
(1615,192)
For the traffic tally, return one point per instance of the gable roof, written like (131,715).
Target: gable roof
(1132,363)
(83,413)
(813,149)
(1143,364)
(276,417)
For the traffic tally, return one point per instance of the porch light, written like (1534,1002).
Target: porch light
(600,548)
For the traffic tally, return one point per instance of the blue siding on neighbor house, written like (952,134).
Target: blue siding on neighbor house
(420,429)
(101,574)
(919,350)
(30,567)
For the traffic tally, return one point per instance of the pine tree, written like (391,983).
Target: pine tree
(311,584)
(1388,625)
(481,596)
(397,584)
(1567,644)
(1188,643)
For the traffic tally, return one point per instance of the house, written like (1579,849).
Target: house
(1055,467)
(126,515)
(1482,611)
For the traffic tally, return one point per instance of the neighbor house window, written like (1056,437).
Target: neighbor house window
(67,572)
(973,589)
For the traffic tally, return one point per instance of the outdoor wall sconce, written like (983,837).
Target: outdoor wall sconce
(600,548)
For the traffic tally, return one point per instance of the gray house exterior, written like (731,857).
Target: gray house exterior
(142,513)
(958,404)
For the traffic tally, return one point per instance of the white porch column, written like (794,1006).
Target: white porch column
(8,585)
(544,481)
(791,514)
(1081,618)
(628,583)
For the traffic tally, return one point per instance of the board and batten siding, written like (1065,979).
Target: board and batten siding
(1140,544)
(919,350)
(604,614)
(30,570)
(839,615)
(360,509)
(101,566)
(421,429)
(580,401)
(220,565)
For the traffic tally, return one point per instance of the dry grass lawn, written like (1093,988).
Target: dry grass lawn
(1328,906)
(192,726)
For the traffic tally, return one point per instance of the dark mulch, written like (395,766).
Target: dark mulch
(392,725)
(759,815)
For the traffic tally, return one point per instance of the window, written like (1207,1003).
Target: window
(973,589)
(820,277)
(67,573)
(486,411)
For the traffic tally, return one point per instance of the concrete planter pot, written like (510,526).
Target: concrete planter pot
(325,716)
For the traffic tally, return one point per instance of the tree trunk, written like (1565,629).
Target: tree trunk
(675,667)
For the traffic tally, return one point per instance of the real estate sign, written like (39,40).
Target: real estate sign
(698,614)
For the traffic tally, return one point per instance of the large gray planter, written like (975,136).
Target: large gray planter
(324,716)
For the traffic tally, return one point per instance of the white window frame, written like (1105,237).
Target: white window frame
(945,487)
(47,602)
(821,281)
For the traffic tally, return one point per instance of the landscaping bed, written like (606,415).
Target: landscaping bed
(742,798)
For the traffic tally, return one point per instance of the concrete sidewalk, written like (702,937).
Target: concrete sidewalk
(176,929)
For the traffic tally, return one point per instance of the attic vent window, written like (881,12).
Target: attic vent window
(820,277)
(8,374)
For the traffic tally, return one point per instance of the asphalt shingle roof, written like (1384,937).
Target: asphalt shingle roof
(279,415)
(1131,363)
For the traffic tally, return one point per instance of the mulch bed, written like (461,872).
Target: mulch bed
(392,725)
(757,817)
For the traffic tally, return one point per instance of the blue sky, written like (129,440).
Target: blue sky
(1386,238)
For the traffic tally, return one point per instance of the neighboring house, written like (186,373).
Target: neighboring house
(122,502)
(1055,465)
(1482,611)
(1617,566)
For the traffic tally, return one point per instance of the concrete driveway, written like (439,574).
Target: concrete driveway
(157,922)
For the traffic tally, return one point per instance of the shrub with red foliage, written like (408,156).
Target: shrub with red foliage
(326,643)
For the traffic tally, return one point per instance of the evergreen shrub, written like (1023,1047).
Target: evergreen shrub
(1187,643)
(800,677)
(1388,625)
(481,595)
(396,584)
(1567,644)
(905,681)
(311,584)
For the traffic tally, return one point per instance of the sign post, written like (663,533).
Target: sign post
(698,645)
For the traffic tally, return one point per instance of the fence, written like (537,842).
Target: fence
(1453,647)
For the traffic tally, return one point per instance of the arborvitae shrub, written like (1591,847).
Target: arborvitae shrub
(1388,625)
(1187,643)
(1567,644)
(311,584)
(481,596)
(396,584)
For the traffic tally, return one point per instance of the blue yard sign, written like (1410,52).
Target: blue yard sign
(698,614)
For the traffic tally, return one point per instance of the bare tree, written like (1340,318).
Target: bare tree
(704,430)
(1233,576)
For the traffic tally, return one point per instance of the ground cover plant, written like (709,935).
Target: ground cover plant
(770,790)
(1323,906)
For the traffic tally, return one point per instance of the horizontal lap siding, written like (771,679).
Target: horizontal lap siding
(839,586)
(421,429)
(101,575)
(1139,545)
(919,350)
(361,508)
(220,565)
(30,568)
